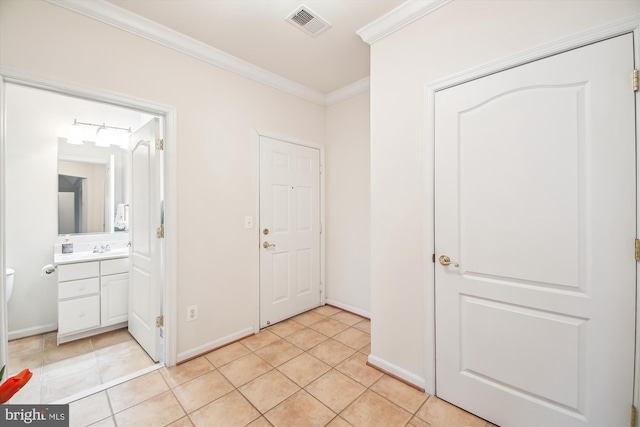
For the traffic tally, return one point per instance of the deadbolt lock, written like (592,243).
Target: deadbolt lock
(265,231)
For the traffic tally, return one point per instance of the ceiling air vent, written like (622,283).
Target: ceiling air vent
(307,21)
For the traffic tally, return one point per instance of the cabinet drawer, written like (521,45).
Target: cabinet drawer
(78,288)
(78,314)
(81,270)
(114,266)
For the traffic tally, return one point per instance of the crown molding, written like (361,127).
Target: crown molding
(113,15)
(348,91)
(397,18)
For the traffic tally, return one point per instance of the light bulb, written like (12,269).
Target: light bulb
(103,137)
(75,134)
(121,140)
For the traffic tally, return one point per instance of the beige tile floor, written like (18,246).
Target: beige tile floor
(62,370)
(307,371)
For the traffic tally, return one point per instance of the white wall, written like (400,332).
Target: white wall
(32,219)
(347,205)
(454,38)
(216,155)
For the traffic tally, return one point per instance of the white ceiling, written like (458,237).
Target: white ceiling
(256,31)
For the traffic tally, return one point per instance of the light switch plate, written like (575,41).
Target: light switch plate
(248,222)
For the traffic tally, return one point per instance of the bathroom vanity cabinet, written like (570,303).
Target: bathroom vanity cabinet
(93,297)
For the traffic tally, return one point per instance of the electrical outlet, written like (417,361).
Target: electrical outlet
(192,313)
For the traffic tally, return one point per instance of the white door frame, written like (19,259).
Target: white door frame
(256,234)
(631,25)
(169,266)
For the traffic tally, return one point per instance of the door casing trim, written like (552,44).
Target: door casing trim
(625,26)
(168,244)
(257,134)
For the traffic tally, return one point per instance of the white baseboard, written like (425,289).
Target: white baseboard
(398,371)
(350,308)
(205,348)
(35,330)
(91,332)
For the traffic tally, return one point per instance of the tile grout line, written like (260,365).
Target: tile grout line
(192,379)
(171,389)
(113,414)
(235,388)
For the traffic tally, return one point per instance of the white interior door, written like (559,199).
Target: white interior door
(145,288)
(289,229)
(536,201)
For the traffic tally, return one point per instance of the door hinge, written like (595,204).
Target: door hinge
(160,144)
(159,321)
(637,250)
(160,232)
(635,80)
(634,414)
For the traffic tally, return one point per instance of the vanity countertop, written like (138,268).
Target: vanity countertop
(60,259)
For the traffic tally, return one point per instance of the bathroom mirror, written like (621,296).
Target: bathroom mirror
(92,188)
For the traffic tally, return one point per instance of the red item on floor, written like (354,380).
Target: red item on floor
(13,384)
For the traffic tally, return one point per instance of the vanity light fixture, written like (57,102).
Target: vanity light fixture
(104,135)
(75,134)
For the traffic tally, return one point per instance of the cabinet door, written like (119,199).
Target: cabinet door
(78,314)
(114,299)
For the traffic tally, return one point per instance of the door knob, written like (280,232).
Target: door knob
(445,260)
(268,245)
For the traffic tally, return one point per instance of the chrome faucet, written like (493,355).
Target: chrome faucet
(101,249)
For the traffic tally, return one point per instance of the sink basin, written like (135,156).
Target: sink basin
(90,256)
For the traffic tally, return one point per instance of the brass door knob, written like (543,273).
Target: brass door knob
(267,245)
(445,260)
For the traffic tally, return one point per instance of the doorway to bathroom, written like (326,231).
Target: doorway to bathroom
(36,143)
